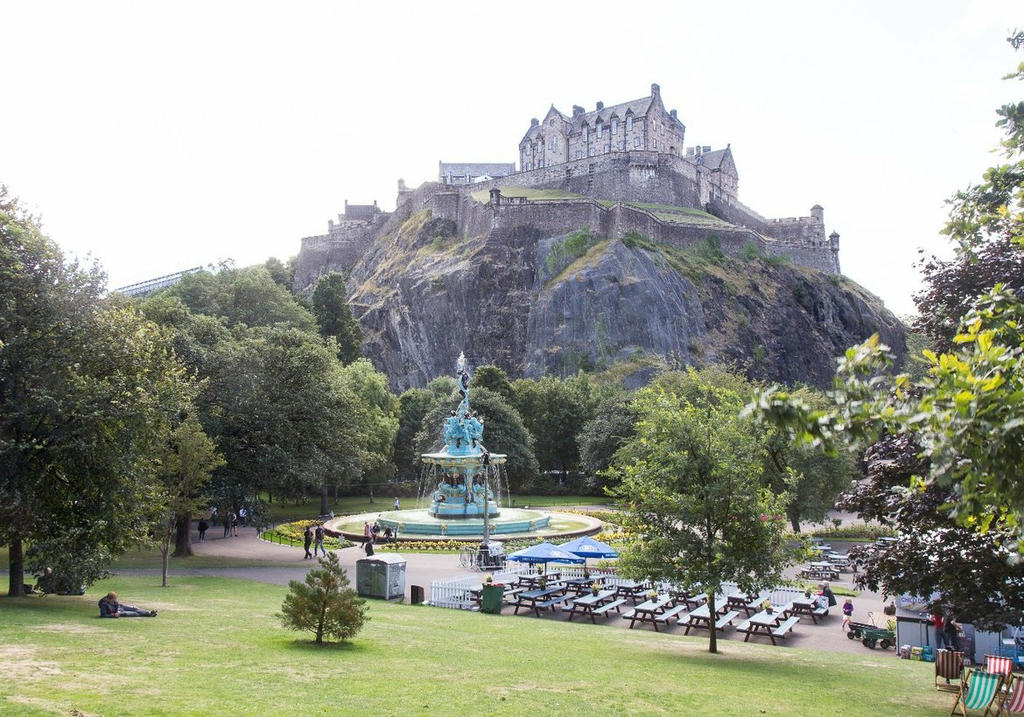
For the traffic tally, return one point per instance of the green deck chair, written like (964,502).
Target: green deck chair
(978,690)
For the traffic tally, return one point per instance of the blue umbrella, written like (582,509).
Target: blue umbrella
(587,547)
(545,553)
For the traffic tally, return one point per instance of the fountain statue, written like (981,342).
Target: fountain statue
(464,502)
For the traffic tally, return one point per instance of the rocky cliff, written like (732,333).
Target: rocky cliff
(536,304)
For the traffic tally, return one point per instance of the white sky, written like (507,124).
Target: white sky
(159,136)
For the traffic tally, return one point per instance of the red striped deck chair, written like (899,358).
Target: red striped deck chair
(1013,699)
(1000,665)
(977,691)
(949,666)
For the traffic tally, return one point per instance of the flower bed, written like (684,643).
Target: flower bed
(292,533)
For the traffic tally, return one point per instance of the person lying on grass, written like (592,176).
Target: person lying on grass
(110,607)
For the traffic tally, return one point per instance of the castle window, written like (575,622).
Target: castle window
(615,126)
(529,149)
(552,123)
(586,133)
(599,128)
(636,141)
(579,154)
(629,122)
(622,145)
(592,151)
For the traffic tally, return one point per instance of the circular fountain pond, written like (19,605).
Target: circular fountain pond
(418,524)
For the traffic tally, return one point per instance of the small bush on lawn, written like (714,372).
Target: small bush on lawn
(324,604)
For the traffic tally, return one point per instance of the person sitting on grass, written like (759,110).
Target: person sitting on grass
(110,607)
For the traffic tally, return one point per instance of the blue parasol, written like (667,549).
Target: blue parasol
(545,553)
(587,547)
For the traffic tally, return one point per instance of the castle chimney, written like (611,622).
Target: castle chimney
(818,212)
(577,110)
(600,105)
(834,238)
(534,122)
(495,197)
(674,115)
(655,90)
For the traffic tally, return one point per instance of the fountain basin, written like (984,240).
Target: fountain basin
(417,524)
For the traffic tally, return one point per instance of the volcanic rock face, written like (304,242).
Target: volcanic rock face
(536,304)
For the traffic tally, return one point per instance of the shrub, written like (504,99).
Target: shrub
(750,252)
(324,604)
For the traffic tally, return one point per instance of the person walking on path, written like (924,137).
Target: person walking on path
(318,542)
(366,533)
(234,524)
(203,527)
(307,540)
(398,503)
(847,613)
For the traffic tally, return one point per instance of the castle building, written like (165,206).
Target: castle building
(641,124)
(472,173)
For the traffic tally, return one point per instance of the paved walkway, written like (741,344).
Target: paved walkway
(421,568)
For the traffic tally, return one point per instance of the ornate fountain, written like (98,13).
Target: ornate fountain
(464,501)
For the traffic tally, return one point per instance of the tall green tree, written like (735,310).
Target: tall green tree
(493,378)
(690,487)
(613,424)
(334,316)
(187,462)
(414,405)
(554,411)
(381,411)
(88,389)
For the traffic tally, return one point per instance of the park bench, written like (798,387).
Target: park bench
(614,604)
(668,614)
(784,629)
(726,619)
(552,602)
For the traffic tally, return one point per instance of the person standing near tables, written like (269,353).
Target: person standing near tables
(830,598)
(952,630)
(941,642)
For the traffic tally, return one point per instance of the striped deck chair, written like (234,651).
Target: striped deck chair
(949,665)
(977,692)
(1013,699)
(1000,665)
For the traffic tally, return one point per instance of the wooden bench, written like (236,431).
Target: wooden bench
(821,612)
(552,602)
(726,619)
(784,629)
(608,606)
(668,614)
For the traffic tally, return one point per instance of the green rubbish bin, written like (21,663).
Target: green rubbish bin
(490,601)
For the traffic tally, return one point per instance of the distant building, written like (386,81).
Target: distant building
(473,173)
(143,288)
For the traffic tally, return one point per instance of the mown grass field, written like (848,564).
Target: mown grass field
(216,648)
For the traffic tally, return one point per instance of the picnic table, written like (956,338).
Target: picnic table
(807,606)
(580,585)
(533,580)
(652,611)
(701,617)
(594,605)
(742,601)
(631,589)
(820,571)
(771,625)
(539,599)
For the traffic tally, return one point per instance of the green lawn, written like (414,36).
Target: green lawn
(216,647)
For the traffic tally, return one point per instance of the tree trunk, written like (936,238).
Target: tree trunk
(713,642)
(16,586)
(324,506)
(183,536)
(794,520)
(165,552)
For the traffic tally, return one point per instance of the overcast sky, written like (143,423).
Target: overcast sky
(160,136)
